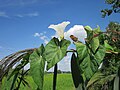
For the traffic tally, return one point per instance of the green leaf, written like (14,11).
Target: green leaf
(88,28)
(88,61)
(89,65)
(89,31)
(116,83)
(94,44)
(41,50)
(37,65)
(97,30)
(82,50)
(55,50)
(95,78)
(77,78)
(107,46)
(100,54)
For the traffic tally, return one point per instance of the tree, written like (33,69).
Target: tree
(115,7)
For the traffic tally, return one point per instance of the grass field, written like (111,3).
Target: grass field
(64,82)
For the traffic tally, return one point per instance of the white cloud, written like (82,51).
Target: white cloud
(78,31)
(34,14)
(64,65)
(36,35)
(18,15)
(6,15)
(46,41)
(42,36)
(6,3)
(3,14)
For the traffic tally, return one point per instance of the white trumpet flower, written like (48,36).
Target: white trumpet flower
(59,28)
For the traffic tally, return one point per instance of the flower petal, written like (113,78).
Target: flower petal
(59,28)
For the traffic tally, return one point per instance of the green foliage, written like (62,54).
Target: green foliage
(100,54)
(105,78)
(55,50)
(115,7)
(81,50)
(37,64)
(90,54)
(113,36)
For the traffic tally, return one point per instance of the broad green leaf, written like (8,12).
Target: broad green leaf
(89,31)
(107,46)
(41,50)
(88,28)
(55,50)
(116,83)
(89,65)
(94,44)
(82,50)
(88,62)
(95,78)
(100,54)
(37,65)
(97,30)
(76,76)
(94,41)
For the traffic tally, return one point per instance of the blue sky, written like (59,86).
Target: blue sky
(21,19)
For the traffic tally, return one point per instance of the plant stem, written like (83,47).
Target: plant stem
(19,84)
(55,77)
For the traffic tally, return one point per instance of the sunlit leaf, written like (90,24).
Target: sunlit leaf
(89,31)
(82,50)
(95,78)
(97,30)
(107,46)
(100,54)
(37,64)
(55,50)
(89,61)
(41,50)
(89,66)
(94,44)
(88,28)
